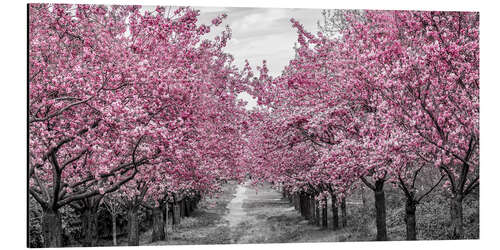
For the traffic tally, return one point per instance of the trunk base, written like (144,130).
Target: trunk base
(52,228)
(411,221)
(158,233)
(133,227)
(380,210)
(89,221)
(456,212)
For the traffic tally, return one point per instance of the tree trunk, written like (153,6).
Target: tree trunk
(296,202)
(363,197)
(456,212)
(89,226)
(52,228)
(343,210)
(186,207)
(303,205)
(176,215)
(317,212)
(167,204)
(183,208)
(312,216)
(324,214)
(195,204)
(190,207)
(158,233)
(411,221)
(335,212)
(380,210)
(113,220)
(133,227)
(304,210)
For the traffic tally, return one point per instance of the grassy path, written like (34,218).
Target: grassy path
(243,214)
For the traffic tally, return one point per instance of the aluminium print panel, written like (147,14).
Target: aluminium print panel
(167,125)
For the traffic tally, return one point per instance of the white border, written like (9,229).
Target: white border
(13,117)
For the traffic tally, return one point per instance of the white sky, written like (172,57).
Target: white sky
(262,33)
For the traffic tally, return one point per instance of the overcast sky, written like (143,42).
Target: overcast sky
(262,33)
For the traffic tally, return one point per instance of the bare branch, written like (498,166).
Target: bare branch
(415,176)
(473,185)
(371,186)
(430,190)
(37,197)
(74,159)
(402,185)
(450,177)
(112,188)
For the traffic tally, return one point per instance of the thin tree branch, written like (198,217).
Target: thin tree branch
(474,184)
(74,159)
(34,119)
(371,186)
(402,185)
(42,203)
(430,190)
(95,192)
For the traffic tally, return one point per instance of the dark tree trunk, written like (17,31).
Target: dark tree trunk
(324,214)
(304,208)
(335,212)
(89,226)
(158,233)
(186,207)
(165,212)
(363,197)
(302,202)
(52,228)
(170,216)
(191,209)
(380,210)
(176,218)
(183,208)
(312,216)
(456,212)
(196,200)
(166,215)
(317,212)
(133,227)
(411,221)
(113,220)
(296,202)
(343,209)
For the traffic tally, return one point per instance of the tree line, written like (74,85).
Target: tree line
(374,98)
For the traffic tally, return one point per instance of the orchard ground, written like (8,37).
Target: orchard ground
(247,214)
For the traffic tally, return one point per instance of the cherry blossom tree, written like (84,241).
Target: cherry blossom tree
(389,93)
(116,94)
(425,67)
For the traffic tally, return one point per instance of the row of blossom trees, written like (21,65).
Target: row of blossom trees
(378,96)
(128,102)
(141,106)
